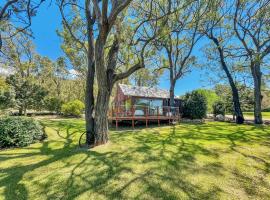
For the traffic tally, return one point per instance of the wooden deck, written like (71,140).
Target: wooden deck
(144,114)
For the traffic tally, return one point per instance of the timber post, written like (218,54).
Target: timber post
(133,112)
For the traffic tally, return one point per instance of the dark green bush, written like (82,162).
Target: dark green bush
(73,108)
(219,108)
(194,105)
(266,110)
(19,131)
(53,104)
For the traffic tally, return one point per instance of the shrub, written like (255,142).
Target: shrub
(73,108)
(19,131)
(219,108)
(53,104)
(266,110)
(194,105)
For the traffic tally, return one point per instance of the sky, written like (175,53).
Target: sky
(48,20)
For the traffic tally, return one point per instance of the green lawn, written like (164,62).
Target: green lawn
(209,161)
(266,115)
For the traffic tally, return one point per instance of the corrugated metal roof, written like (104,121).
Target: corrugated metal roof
(150,92)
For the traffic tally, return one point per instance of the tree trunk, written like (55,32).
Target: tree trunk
(257,75)
(236,100)
(89,104)
(20,111)
(101,117)
(104,91)
(24,111)
(90,79)
(172,86)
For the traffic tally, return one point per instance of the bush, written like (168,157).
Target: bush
(194,105)
(219,108)
(53,104)
(73,108)
(266,110)
(19,131)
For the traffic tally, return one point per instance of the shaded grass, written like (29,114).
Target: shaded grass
(207,161)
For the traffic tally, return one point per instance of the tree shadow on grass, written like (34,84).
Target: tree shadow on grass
(144,164)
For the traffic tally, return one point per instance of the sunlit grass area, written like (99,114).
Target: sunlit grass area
(208,161)
(266,115)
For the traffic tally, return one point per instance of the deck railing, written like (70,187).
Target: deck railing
(145,113)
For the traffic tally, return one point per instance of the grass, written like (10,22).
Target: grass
(266,115)
(209,161)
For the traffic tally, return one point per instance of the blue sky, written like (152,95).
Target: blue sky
(48,44)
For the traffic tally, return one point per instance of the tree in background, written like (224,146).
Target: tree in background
(211,97)
(19,55)
(27,94)
(251,27)
(60,74)
(179,39)
(146,77)
(7,95)
(245,96)
(60,81)
(215,28)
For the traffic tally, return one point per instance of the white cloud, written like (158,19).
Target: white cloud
(5,71)
(73,72)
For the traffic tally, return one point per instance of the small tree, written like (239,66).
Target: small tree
(27,94)
(194,105)
(53,104)
(219,108)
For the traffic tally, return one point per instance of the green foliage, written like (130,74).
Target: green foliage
(219,108)
(27,93)
(146,77)
(73,108)
(53,104)
(211,97)
(6,99)
(194,105)
(19,131)
(245,95)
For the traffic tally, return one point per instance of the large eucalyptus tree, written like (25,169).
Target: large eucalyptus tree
(180,36)
(251,25)
(216,27)
(108,27)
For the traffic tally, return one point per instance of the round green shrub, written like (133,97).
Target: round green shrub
(194,105)
(19,131)
(219,108)
(73,108)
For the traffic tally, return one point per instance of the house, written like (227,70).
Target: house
(143,104)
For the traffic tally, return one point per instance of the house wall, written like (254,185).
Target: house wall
(119,97)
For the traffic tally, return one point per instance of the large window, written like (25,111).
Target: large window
(140,106)
(151,104)
(155,106)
